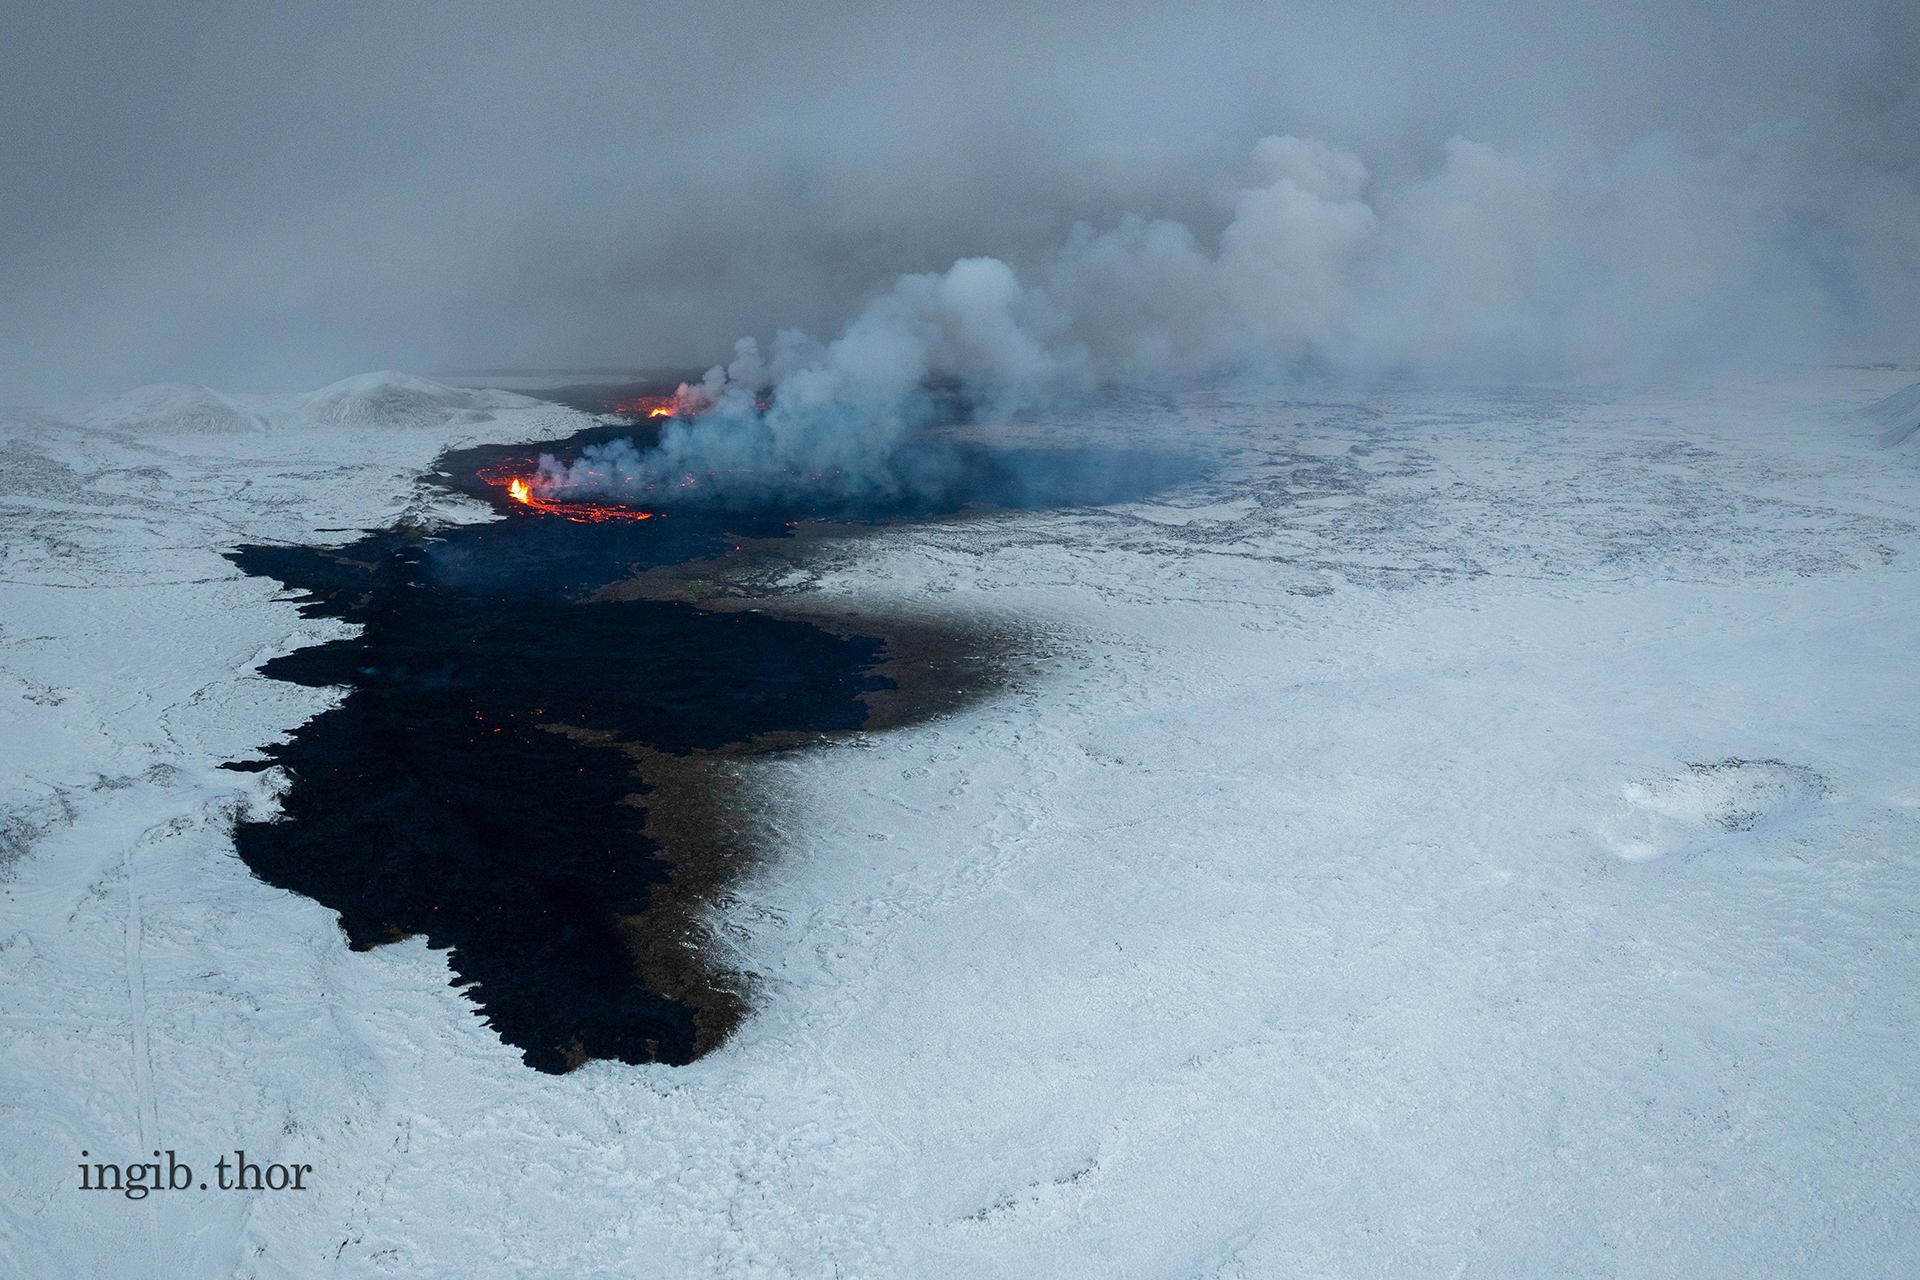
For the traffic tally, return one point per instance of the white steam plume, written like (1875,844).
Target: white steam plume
(1493,266)
(836,415)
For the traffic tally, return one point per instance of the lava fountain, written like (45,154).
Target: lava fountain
(513,473)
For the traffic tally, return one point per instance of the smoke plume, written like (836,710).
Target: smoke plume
(1491,267)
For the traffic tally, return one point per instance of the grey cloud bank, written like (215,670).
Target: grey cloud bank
(259,200)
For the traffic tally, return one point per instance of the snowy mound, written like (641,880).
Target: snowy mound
(401,400)
(1898,415)
(173,409)
(1723,795)
(368,400)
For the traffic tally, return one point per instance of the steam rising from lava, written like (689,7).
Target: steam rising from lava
(1495,267)
(830,420)
(515,478)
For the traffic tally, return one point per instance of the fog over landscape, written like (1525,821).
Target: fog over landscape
(937,641)
(263,198)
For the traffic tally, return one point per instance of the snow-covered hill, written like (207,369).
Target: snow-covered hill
(1898,413)
(382,401)
(1470,833)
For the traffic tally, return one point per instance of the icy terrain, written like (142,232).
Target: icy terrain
(1471,833)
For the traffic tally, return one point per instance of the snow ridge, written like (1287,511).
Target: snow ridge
(386,400)
(1899,414)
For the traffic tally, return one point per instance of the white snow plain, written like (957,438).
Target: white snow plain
(1471,833)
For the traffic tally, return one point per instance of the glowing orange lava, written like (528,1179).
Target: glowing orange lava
(512,474)
(650,406)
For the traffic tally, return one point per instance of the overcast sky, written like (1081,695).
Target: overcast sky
(267,197)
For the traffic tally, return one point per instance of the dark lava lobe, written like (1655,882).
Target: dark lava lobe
(439,800)
(528,767)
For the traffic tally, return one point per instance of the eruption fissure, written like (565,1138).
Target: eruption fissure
(519,480)
(647,406)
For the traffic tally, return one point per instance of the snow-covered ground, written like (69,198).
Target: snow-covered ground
(1471,833)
